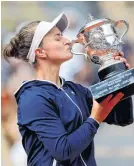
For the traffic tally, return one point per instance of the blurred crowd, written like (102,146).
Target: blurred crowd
(14,16)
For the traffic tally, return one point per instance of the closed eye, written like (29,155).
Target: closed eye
(58,36)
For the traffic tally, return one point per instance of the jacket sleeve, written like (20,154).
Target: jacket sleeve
(39,115)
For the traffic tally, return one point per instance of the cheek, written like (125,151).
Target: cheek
(58,47)
(55,50)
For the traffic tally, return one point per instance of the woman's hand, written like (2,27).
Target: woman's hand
(101,110)
(120,56)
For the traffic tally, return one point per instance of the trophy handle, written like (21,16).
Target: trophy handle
(118,23)
(90,58)
(77,53)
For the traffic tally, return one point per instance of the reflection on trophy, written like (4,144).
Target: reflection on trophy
(101,38)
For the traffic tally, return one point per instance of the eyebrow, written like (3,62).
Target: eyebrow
(58,34)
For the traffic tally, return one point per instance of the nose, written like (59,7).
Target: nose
(66,41)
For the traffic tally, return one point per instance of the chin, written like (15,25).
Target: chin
(69,56)
(66,55)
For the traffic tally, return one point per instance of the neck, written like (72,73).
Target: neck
(48,72)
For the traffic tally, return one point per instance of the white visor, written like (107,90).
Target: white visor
(42,29)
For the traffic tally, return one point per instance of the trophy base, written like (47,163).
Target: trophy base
(122,113)
(123,82)
(111,70)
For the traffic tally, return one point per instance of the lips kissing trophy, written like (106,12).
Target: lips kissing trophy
(102,38)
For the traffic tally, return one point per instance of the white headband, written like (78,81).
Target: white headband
(42,29)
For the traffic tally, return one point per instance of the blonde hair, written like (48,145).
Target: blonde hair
(20,44)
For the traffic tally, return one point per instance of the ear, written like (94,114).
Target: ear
(40,53)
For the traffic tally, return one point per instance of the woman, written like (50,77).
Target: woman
(57,119)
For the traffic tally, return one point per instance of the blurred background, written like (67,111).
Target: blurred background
(114,144)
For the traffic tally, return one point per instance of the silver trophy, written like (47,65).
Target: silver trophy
(102,38)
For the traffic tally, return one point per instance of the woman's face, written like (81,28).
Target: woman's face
(56,46)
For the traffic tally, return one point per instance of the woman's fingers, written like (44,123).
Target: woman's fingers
(120,58)
(121,54)
(107,99)
(123,60)
(116,99)
(101,110)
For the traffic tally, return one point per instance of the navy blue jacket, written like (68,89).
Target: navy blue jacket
(55,125)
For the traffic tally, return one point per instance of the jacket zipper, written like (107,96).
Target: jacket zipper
(54,162)
(81,116)
(83,160)
(73,103)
